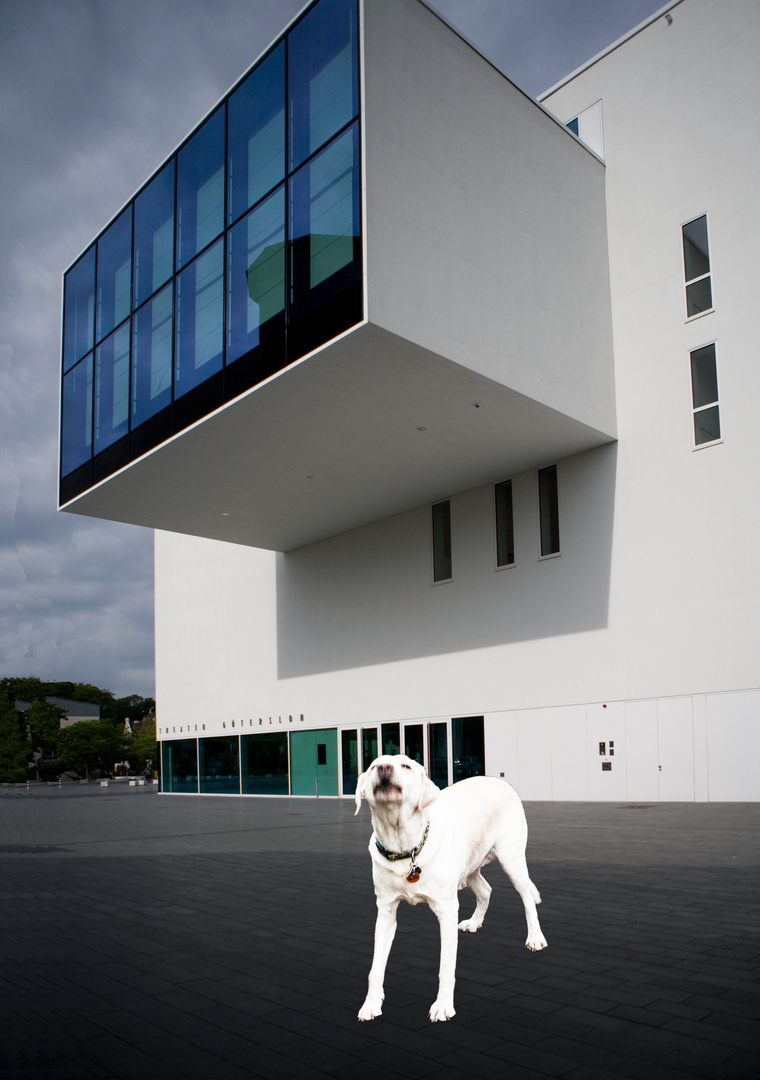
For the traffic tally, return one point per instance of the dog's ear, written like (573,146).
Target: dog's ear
(428,793)
(359,793)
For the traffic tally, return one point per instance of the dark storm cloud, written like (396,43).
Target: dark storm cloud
(94,94)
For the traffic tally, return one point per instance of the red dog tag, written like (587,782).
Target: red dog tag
(414,874)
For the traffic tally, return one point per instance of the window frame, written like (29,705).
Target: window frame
(505,485)
(696,409)
(553,525)
(447,542)
(689,282)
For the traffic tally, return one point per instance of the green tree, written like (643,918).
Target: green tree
(44,725)
(15,749)
(142,747)
(90,745)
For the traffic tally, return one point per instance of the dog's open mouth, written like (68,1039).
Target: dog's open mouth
(385,786)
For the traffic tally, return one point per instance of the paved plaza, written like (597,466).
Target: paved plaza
(153,936)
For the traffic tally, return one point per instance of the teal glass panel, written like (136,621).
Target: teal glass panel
(79,310)
(369,747)
(76,416)
(314,762)
(391,738)
(152,357)
(468,747)
(199,326)
(438,756)
(323,76)
(264,764)
(414,745)
(179,766)
(112,389)
(219,772)
(154,235)
(325,224)
(200,189)
(256,135)
(114,274)
(349,746)
(256,277)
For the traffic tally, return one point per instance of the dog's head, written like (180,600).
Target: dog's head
(394,779)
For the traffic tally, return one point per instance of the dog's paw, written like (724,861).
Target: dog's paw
(470,926)
(535,944)
(441,1010)
(370,1009)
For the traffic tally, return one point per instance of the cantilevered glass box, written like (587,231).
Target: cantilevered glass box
(374,275)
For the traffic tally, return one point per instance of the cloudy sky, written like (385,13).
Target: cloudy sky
(94,94)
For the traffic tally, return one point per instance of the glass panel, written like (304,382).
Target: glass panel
(200,312)
(307,777)
(200,189)
(350,758)
(468,747)
(152,357)
(179,764)
(438,755)
(369,747)
(573,125)
(115,274)
(698,297)
(219,772)
(414,742)
(391,738)
(323,76)
(442,541)
(264,768)
(76,416)
(324,226)
(704,376)
(154,235)
(505,529)
(696,255)
(706,425)
(256,277)
(548,510)
(112,389)
(79,310)
(256,138)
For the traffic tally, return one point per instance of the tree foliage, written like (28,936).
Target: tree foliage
(15,749)
(90,745)
(142,747)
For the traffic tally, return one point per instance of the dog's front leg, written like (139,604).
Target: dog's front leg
(447,915)
(385,931)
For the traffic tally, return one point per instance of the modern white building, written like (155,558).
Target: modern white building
(440,400)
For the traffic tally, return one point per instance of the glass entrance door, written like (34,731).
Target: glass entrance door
(314,762)
(349,746)
(438,754)
(414,742)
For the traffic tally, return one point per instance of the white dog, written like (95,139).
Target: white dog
(427,845)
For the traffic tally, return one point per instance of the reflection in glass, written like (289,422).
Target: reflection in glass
(698,297)
(414,742)
(323,76)
(704,376)
(76,416)
(696,255)
(706,425)
(391,738)
(179,765)
(79,310)
(438,756)
(264,766)
(200,189)
(256,136)
(218,771)
(369,746)
(200,312)
(152,357)
(256,277)
(350,757)
(112,389)
(114,274)
(468,747)
(154,235)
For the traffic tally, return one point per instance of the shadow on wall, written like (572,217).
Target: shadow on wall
(366,597)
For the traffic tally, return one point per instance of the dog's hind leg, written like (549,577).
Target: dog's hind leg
(516,869)
(482,891)
(385,931)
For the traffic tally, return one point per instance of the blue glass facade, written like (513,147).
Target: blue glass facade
(240,255)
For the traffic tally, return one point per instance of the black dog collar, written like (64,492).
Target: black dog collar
(394,856)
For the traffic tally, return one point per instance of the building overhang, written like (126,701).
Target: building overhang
(369,426)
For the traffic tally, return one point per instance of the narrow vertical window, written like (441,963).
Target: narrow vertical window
(505,528)
(696,261)
(704,394)
(442,541)
(548,504)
